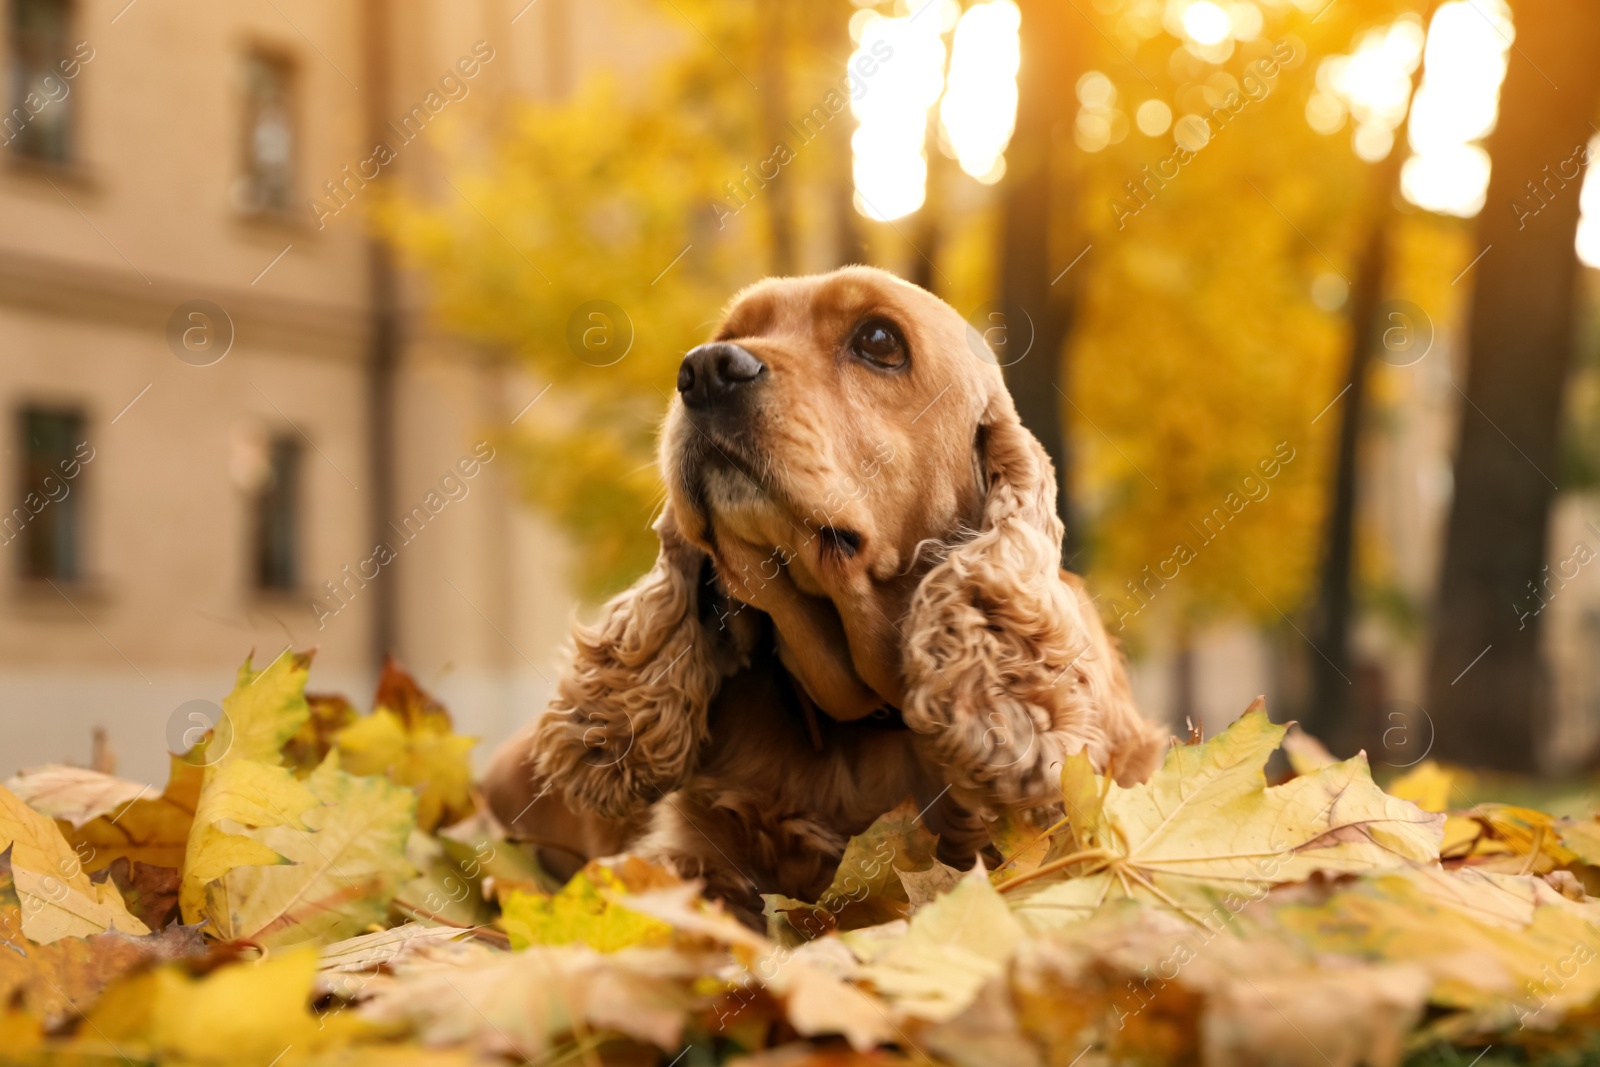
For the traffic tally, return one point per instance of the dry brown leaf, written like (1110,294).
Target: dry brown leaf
(53,981)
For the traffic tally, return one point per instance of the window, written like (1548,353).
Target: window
(47,524)
(277,519)
(38,119)
(268,133)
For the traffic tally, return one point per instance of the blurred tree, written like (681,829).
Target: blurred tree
(1519,353)
(596,239)
(1036,199)
(1200,359)
(1330,713)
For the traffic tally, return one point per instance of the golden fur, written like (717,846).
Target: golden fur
(857,599)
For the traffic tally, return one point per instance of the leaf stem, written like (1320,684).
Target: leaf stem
(1055,865)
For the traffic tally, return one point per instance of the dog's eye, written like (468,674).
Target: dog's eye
(878,341)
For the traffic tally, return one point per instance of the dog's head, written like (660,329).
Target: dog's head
(844,454)
(823,449)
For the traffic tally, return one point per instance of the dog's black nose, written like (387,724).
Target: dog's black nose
(712,372)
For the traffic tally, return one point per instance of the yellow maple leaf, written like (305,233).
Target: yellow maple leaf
(1427,785)
(279,859)
(341,871)
(1504,948)
(1507,838)
(239,1013)
(150,830)
(951,949)
(55,894)
(1207,825)
(583,912)
(409,737)
(435,764)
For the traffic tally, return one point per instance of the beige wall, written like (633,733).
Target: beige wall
(94,258)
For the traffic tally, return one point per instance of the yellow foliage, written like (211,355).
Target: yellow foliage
(1200,364)
(580,913)
(595,240)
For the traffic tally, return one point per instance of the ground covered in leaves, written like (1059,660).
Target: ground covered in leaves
(316,886)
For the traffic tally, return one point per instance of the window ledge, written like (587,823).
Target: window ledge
(71,173)
(279,600)
(288,220)
(78,593)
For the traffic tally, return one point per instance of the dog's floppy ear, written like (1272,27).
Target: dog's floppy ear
(1008,668)
(629,715)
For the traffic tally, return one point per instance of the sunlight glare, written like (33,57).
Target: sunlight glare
(1589,208)
(1372,83)
(979,110)
(891,163)
(1206,23)
(1456,106)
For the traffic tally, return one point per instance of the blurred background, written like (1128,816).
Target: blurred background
(350,324)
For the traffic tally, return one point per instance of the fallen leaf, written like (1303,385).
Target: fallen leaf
(74,794)
(448,887)
(525,1004)
(266,709)
(1144,985)
(149,830)
(252,797)
(327,714)
(1503,948)
(1428,785)
(866,889)
(1306,754)
(1206,824)
(54,981)
(278,859)
(951,949)
(818,1003)
(588,910)
(434,764)
(239,1013)
(686,912)
(1506,838)
(1021,843)
(151,893)
(410,738)
(54,892)
(370,951)
(342,869)
(924,887)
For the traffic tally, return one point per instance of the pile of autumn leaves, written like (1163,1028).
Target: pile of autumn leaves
(314,886)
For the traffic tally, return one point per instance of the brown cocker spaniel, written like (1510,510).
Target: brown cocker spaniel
(857,599)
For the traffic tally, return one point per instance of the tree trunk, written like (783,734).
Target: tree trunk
(774,99)
(1035,198)
(1491,710)
(1329,716)
(384,349)
(924,224)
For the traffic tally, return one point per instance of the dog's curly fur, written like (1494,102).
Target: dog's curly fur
(857,599)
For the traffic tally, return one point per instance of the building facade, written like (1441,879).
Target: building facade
(227,426)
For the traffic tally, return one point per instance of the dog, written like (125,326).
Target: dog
(858,599)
